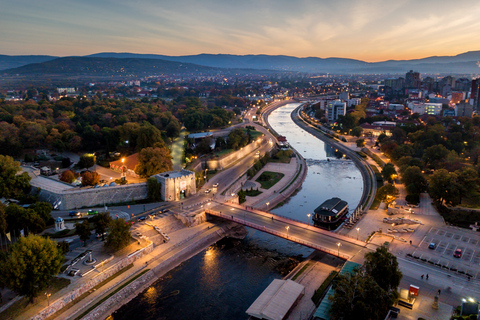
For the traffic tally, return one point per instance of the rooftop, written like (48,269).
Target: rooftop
(331,207)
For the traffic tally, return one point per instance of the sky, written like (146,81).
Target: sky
(369,30)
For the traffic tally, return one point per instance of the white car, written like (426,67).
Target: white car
(208,190)
(215,185)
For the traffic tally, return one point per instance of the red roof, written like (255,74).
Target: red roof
(130,162)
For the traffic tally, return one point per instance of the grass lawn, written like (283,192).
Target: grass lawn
(23,304)
(252,193)
(268,179)
(223,152)
(254,133)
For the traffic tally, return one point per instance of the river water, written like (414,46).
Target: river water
(221,282)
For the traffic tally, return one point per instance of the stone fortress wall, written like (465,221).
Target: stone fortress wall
(91,197)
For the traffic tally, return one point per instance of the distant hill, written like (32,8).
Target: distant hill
(111,63)
(107,67)
(9,62)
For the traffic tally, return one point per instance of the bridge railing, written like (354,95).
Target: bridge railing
(284,235)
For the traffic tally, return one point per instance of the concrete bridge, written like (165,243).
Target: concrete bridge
(293,230)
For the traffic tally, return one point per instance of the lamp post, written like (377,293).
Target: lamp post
(308,215)
(48,297)
(267,205)
(287,227)
(338,245)
(358,229)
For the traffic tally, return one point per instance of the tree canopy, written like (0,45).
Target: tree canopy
(119,234)
(30,265)
(11,184)
(383,267)
(153,160)
(101,222)
(83,231)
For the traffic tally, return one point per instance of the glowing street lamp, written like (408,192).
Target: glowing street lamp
(308,215)
(267,205)
(287,227)
(358,229)
(339,244)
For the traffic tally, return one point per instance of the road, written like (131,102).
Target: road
(297,231)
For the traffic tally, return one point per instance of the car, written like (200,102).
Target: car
(208,190)
(74,213)
(91,211)
(215,185)
(458,253)
(166,210)
(432,245)
(141,218)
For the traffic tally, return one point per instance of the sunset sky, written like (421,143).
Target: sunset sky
(370,30)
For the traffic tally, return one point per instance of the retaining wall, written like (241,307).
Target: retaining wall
(228,160)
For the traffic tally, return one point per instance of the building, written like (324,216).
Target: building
(432,109)
(475,94)
(334,109)
(463,109)
(330,213)
(412,80)
(457,96)
(126,165)
(176,185)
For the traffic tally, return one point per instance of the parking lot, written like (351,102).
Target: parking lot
(447,240)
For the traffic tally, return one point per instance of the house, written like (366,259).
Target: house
(126,165)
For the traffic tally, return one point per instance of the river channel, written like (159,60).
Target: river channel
(221,282)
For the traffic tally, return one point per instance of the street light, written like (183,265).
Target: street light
(48,297)
(287,227)
(339,244)
(358,229)
(308,215)
(267,205)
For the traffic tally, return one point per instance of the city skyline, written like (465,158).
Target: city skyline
(364,30)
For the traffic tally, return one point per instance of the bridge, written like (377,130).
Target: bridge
(287,228)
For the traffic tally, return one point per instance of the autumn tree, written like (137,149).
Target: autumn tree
(68,176)
(30,265)
(90,178)
(119,234)
(153,160)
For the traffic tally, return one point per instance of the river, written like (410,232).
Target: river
(222,281)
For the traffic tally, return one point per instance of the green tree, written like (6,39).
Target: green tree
(358,296)
(87,160)
(414,176)
(83,231)
(26,219)
(11,184)
(101,222)
(152,161)
(360,143)
(119,235)
(242,196)
(383,267)
(434,155)
(443,186)
(148,136)
(468,181)
(237,139)
(388,172)
(387,193)
(43,209)
(3,219)
(357,131)
(154,189)
(31,263)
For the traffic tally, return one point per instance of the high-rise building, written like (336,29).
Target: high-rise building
(334,109)
(475,94)
(412,79)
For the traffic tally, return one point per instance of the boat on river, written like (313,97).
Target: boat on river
(330,214)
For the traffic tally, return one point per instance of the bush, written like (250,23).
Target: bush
(68,176)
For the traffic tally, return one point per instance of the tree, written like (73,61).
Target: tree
(87,160)
(11,184)
(43,209)
(360,143)
(152,161)
(3,219)
(383,267)
(26,219)
(119,235)
(30,265)
(387,193)
(357,131)
(154,189)
(67,176)
(443,186)
(413,175)
(237,139)
(434,154)
(147,136)
(101,222)
(90,178)
(388,172)
(83,231)
(358,296)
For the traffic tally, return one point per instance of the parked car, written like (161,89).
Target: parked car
(432,246)
(91,211)
(208,190)
(458,253)
(74,213)
(166,210)
(141,218)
